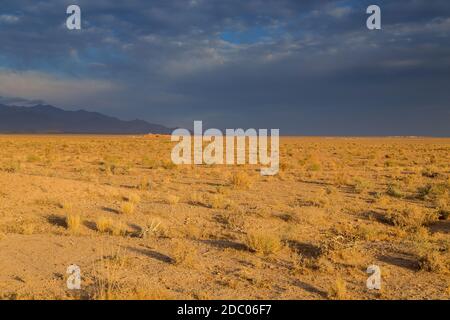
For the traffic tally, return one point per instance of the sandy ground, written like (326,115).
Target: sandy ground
(140,227)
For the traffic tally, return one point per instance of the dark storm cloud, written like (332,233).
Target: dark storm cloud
(307,67)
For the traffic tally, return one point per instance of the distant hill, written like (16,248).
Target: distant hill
(49,119)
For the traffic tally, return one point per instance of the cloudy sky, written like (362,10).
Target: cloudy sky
(308,67)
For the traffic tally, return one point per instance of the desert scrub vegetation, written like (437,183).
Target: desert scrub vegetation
(152,228)
(108,277)
(434,261)
(182,253)
(262,243)
(217,201)
(66,205)
(110,226)
(319,199)
(11,166)
(291,207)
(394,191)
(73,223)
(133,198)
(27,228)
(127,208)
(361,185)
(430,172)
(144,184)
(338,291)
(409,217)
(434,192)
(240,180)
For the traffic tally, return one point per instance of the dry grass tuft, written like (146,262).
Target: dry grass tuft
(409,217)
(182,253)
(127,208)
(263,243)
(66,205)
(73,223)
(217,201)
(144,184)
(107,277)
(108,225)
(394,191)
(134,198)
(433,261)
(338,290)
(151,229)
(241,180)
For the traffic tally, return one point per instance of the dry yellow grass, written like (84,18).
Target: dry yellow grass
(264,243)
(240,180)
(127,208)
(339,290)
(338,205)
(73,223)
(109,225)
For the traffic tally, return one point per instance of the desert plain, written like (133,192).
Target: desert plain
(140,227)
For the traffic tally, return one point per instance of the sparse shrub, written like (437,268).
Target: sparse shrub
(263,243)
(108,225)
(433,261)
(168,165)
(394,191)
(182,254)
(338,290)
(66,206)
(240,180)
(319,199)
(217,201)
(109,168)
(314,167)
(134,198)
(430,172)
(73,223)
(107,278)
(12,166)
(149,162)
(27,228)
(151,228)
(46,202)
(103,224)
(118,229)
(361,185)
(127,208)
(144,184)
(433,191)
(409,217)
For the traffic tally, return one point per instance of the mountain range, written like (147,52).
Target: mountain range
(44,118)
